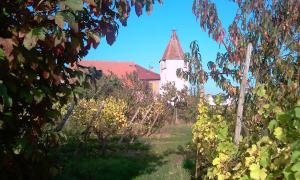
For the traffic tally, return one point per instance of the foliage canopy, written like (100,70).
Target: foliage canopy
(39,41)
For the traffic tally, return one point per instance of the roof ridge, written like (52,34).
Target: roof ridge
(121,68)
(174,50)
(120,61)
(146,69)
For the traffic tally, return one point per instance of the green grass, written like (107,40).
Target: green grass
(168,145)
(156,157)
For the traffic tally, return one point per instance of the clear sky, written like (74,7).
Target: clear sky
(145,38)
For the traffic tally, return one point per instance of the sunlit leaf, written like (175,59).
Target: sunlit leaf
(296,167)
(59,20)
(75,5)
(257,173)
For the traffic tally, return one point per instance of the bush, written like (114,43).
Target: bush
(101,118)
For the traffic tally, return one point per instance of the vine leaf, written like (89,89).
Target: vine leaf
(297,112)
(95,40)
(59,20)
(33,36)
(7,45)
(71,21)
(6,98)
(257,173)
(296,167)
(38,95)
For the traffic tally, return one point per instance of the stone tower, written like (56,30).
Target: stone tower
(172,60)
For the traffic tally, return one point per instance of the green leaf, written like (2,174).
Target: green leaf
(257,173)
(266,106)
(272,125)
(288,174)
(297,175)
(261,91)
(38,95)
(278,132)
(245,178)
(40,33)
(33,36)
(1,54)
(71,21)
(75,5)
(222,133)
(59,20)
(29,41)
(296,167)
(26,96)
(295,156)
(3,92)
(260,111)
(264,157)
(297,112)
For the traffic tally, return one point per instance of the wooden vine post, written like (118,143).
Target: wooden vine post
(238,125)
(202,100)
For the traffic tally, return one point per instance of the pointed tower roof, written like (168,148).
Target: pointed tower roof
(173,50)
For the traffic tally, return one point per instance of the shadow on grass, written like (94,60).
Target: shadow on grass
(188,154)
(120,162)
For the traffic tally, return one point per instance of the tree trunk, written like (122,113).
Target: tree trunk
(60,126)
(87,131)
(152,125)
(238,125)
(129,125)
(197,168)
(145,116)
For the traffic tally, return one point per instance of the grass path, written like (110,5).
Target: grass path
(154,158)
(166,144)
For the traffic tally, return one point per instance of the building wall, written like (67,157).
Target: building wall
(154,84)
(168,70)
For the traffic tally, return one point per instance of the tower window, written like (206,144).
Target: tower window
(163,65)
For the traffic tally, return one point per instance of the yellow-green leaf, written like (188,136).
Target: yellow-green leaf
(59,20)
(296,167)
(257,173)
(278,132)
(297,112)
(75,5)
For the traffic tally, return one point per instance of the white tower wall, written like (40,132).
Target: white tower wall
(168,74)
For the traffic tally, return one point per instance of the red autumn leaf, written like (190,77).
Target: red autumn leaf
(110,38)
(138,8)
(34,66)
(45,74)
(94,40)
(7,45)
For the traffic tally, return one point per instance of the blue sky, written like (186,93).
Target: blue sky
(146,37)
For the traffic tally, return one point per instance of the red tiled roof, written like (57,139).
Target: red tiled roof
(121,69)
(173,50)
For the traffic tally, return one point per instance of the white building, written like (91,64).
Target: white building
(172,60)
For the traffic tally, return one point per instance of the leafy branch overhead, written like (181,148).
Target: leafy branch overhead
(273,29)
(39,42)
(269,125)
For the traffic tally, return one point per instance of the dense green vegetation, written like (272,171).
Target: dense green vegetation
(64,121)
(266,143)
(156,157)
(39,43)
